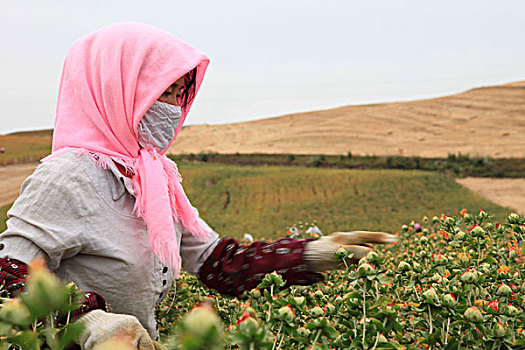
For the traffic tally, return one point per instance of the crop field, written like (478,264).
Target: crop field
(24,147)
(265,200)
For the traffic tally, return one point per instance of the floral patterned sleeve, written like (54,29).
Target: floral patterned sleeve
(13,275)
(233,268)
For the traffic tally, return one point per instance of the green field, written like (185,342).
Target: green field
(264,201)
(24,147)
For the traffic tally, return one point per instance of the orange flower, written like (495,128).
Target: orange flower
(513,246)
(466,255)
(464,211)
(443,234)
(503,269)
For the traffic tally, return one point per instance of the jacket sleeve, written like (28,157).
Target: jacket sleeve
(47,218)
(193,251)
(233,268)
(13,277)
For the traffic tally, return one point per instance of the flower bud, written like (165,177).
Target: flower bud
(513,218)
(338,299)
(316,311)
(15,312)
(303,332)
(202,325)
(366,269)
(483,214)
(435,220)
(510,310)
(299,300)
(485,267)
(247,324)
(255,293)
(329,308)
(469,277)
(44,292)
(318,293)
(431,295)
(372,256)
(499,330)
(503,289)
(449,300)
(438,278)
(478,231)
(440,259)
(381,339)
(464,258)
(403,266)
(286,313)
(473,314)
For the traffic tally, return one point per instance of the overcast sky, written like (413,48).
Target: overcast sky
(275,57)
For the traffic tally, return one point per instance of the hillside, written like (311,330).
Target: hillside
(488,121)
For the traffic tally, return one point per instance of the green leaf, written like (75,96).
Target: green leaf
(27,340)
(519,344)
(452,344)
(489,259)
(70,333)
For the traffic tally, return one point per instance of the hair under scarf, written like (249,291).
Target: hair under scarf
(109,80)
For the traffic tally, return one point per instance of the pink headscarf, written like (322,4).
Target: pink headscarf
(109,80)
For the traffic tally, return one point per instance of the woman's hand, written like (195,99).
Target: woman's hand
(319,254)
(101,326)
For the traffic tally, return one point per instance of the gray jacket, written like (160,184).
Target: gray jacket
(79,217)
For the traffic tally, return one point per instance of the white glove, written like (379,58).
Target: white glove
(101,326)
(319,254)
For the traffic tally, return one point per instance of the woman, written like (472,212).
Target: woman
(107,210)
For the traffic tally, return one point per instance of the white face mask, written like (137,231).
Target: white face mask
(157,127)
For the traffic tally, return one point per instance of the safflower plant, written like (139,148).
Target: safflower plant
(451,282)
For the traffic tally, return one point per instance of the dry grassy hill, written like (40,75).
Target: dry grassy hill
(488,121)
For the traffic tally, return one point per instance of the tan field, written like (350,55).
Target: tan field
(487,121)
(506,192)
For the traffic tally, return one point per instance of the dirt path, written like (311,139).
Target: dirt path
(11,178)
(506,192)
